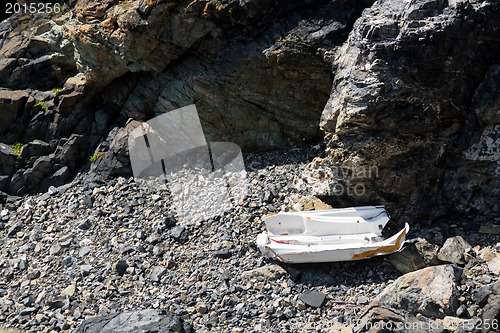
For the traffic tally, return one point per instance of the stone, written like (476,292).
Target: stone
(491,311)
(201,308)
(313,298)
(84,224)
(55,249)
(271,272)
(157,273)
(453,250)
(383,319)
(69,290)
(494,265)
(416,254)
(121,267)
(223,254)
(431,291)
(147,320)
(12,103)
(84,251)
(480,295)
(179,233)
(13,230)
(85,270)
(8,159)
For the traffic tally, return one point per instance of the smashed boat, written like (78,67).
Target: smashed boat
(328,235)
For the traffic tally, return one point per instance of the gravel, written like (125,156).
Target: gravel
(88,249)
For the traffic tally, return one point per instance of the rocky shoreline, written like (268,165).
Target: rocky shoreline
(87,249)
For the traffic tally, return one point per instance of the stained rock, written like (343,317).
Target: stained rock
(453,250)
(432,291)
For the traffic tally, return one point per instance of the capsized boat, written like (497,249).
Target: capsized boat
(329,235)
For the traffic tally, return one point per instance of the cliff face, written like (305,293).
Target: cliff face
(414,98)
(406,88)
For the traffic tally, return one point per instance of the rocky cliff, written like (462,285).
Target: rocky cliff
(406,89)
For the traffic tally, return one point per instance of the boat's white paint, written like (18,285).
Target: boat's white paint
(328,235)
(367,219)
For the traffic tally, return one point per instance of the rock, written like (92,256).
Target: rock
(491,311)
(86,269)
(494,265)
(84,251)
(27,311)
(313,298)
(432,291)
(480,295)
(179,233)
(121,267)
(157,273)
(84,224)
(362,300)
(271,272)
(69,290)
(35,148)
(201,308)
(378,72)
(13,230)
(416,254)
(453,250)
(223,254)
(55,249)
(8,159)
(382,319)
(491,229)
(12,103)
(147,320)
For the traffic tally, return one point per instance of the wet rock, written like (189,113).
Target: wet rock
(147,320)
(432,291)
(453,250)
(313,298)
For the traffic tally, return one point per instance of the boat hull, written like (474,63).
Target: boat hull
(328,236)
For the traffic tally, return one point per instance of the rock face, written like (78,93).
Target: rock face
(259,73)
(432,291)
(413,96)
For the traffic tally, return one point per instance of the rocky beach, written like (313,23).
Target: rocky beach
(333,103)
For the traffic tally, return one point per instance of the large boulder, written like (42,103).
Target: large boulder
(401,102)
(432,292)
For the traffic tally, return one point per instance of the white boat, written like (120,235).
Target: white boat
(328,235)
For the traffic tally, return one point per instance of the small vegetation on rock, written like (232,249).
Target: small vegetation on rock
(96,156)
(56,90)
(42,104)
(17,149)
